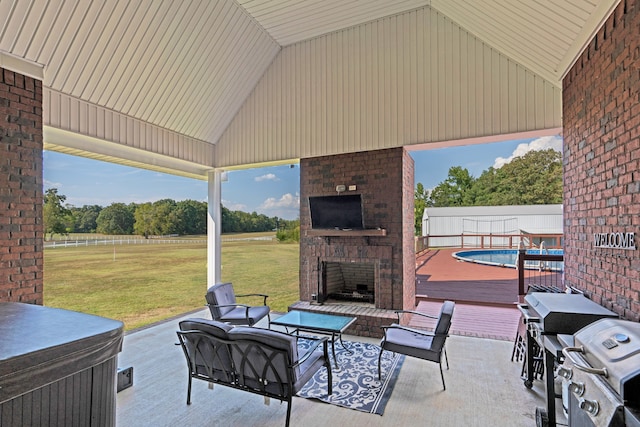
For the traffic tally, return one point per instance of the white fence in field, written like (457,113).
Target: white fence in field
(114,242)
(139,241)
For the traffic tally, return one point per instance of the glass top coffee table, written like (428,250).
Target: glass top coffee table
(327,324)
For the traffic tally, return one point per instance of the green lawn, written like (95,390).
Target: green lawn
(143,284)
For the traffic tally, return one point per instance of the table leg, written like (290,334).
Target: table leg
(342,343)
(333,349)
(333,346)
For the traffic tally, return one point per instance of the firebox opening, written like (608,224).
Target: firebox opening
(348,281)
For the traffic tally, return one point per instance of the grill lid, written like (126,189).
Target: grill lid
(565,313)
(614,344)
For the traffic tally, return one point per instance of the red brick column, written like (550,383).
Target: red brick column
(408,232)
(601,114)
(21,229)
(384,178)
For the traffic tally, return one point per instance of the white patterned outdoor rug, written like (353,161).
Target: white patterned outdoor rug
(355,381)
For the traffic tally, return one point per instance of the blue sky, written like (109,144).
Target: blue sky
(273,191)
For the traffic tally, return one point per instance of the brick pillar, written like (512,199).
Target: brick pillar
(408,232)
(601,115)
(384,179)
(21,229)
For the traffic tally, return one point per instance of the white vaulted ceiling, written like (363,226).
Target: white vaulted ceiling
(545,36)
(159,82)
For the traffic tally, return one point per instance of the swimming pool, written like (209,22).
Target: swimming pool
(507,257)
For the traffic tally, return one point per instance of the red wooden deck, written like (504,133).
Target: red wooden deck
(485,296)
(441,276)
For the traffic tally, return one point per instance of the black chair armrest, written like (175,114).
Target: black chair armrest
(229,305)
(264,301)
(314,346)
(399,312)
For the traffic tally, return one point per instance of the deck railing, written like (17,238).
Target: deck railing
(548,276)
(489,241)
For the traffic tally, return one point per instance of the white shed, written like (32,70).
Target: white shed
(488,220)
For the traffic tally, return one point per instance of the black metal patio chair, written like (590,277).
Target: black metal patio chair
(418,343)
(223,306)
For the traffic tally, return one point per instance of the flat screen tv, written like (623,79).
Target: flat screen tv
(342,212)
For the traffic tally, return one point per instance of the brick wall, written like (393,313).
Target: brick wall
(601,110)
(384,178)
(21,231)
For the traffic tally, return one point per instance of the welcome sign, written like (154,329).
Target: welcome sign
(615,240)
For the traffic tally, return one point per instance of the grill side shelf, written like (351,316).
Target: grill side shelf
(526,314)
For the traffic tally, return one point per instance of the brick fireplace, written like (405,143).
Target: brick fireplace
(374,266)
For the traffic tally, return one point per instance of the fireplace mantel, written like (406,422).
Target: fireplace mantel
(347,233)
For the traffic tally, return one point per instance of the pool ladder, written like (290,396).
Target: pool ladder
(542,265)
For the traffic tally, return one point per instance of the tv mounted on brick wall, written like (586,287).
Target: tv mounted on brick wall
(341,212)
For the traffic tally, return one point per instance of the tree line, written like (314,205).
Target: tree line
(532,179)
(160,218)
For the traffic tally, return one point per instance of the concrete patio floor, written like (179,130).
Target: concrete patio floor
(483,389)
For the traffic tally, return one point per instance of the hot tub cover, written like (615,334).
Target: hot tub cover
(39,345)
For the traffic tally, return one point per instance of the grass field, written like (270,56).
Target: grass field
(140,284)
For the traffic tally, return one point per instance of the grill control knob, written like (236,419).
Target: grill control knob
(621,338)
(590,406)
(576,388)
(565,373)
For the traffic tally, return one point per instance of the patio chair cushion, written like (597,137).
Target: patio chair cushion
(410,343)
(444,318)
(238,315)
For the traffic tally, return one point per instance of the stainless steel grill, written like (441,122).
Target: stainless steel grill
(601,372)
(547,315)
(554,313)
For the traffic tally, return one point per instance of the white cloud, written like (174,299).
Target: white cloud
(287,201)
(267,177)
(538,144)
(49,184)
(287,206)
(233,206)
